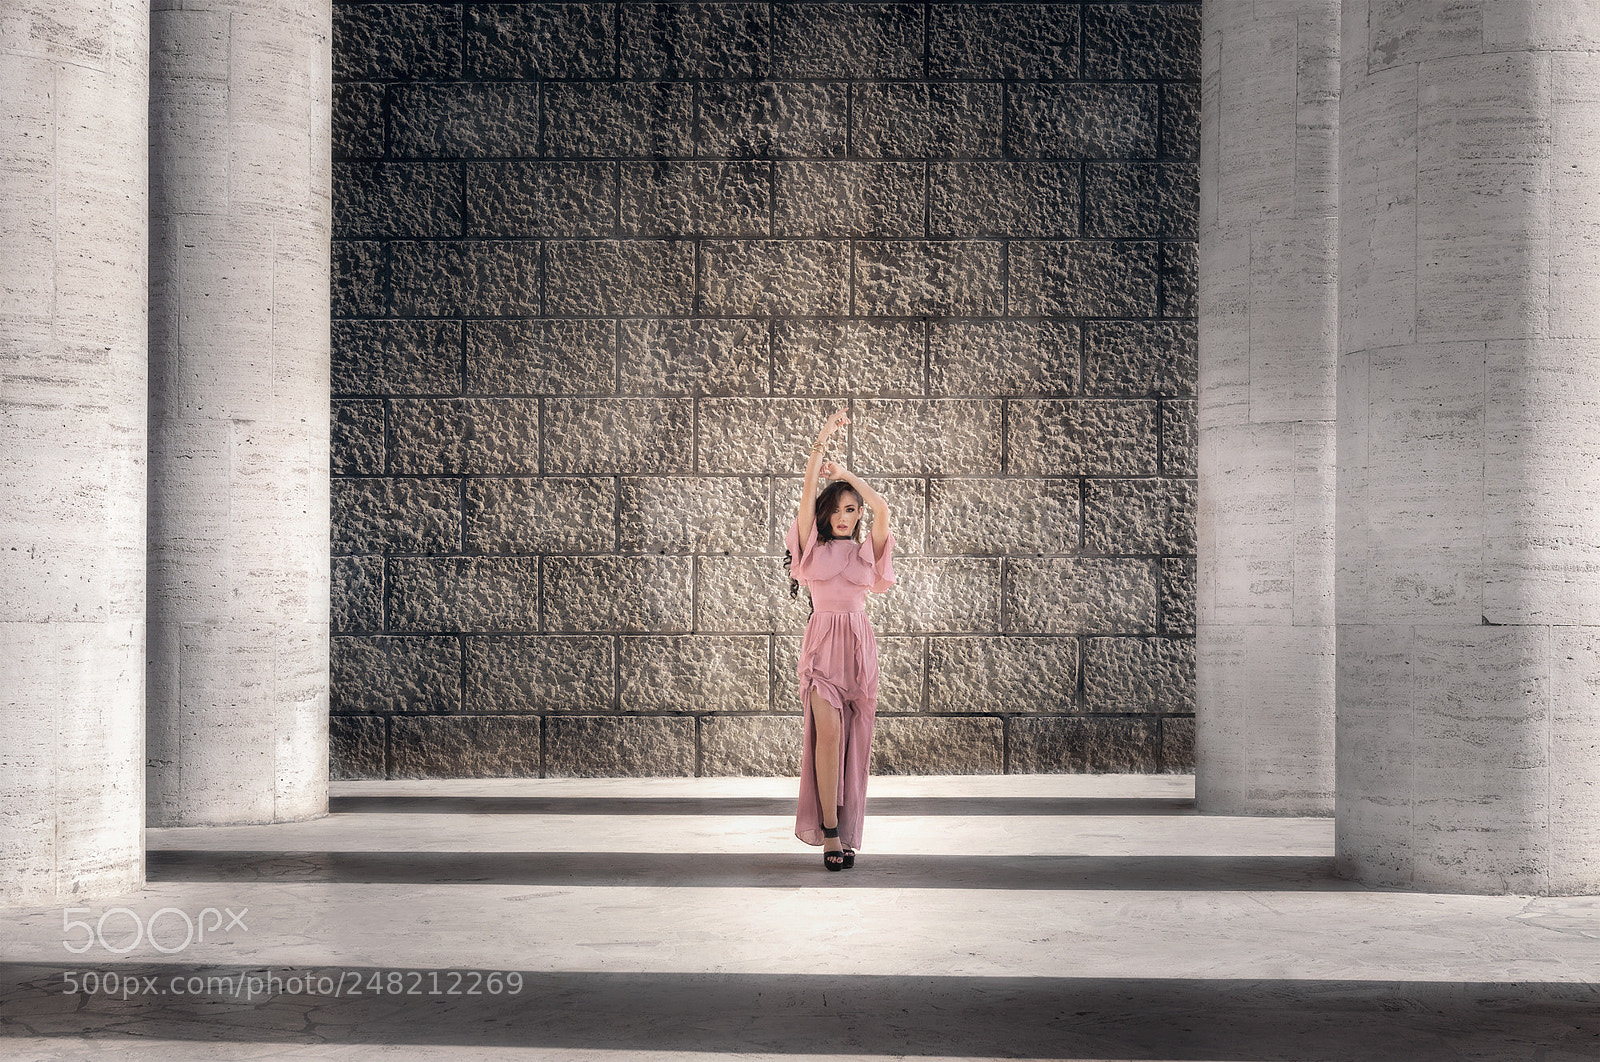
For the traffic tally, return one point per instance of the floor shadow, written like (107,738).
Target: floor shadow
(751,870)
(963,806)
(975,1017)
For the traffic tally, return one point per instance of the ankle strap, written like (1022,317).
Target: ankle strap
(830,831)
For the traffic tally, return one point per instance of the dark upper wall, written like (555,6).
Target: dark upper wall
(600,270)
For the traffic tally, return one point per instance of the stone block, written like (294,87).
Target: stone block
(1400,33)
(396,358)
(882,199)
(395,674)
(620,746)
(1180,279)
(915,278)
(1066,745)
(786,669)
(1080,595)
(607,119)
(847,41)
(751,746)
(697,673)
(464,121)
(1141,200)
(464,746)
(695,357)
(1180,438)
(940,595)
(357,121)
(546,515)
(902,665)
(1177,745)
(937,745)
(1003,199)
(758,277)
(534,42)
(521,674)
(1138,358)
(1003,42)
(674,199)
(759,436)
(396,42)
(762,120)
(938,437)
(1128,676)
(356,440)
(1002,674)
(834,357)
(996,358)
(396,515)
(1178,590)
(1083,121)
(357,747)
(906,497)
(1082,437)
(358,279)
(596,278)
(681,514)
(396,199)
(1180,121)
(1084,278)
(1141,42)
(920,120)
(628,595)
(1139,516)
(746,595)
(356,603)
(540,357)
(464,278)
(541,199)
(629,435)
(728,41)
(465,594)
(471,436)
(1002,516)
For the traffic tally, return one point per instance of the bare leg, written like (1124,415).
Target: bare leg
(825,762)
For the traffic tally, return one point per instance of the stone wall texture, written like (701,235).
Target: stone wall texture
(599,273)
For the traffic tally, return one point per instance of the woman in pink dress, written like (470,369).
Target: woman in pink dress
(838,655)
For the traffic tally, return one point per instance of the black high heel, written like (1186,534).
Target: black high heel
(832,860)
(849,857)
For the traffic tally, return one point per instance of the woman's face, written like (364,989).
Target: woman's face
(845,516)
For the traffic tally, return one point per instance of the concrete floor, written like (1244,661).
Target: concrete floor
(1061,917)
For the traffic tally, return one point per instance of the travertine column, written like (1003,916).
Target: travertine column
(240,224)
(1469,447)
(72,448)
(1268,311)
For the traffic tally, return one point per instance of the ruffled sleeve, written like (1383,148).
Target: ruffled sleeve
(801,561)
(883,567)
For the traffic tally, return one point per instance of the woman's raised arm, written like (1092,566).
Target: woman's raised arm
(808,496)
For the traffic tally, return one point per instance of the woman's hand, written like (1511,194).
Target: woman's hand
(834,470)
(834,423)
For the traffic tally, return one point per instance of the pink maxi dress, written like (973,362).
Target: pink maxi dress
(839,657)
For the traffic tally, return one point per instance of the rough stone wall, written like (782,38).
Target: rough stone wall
(600,271)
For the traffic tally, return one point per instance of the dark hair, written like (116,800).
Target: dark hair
(826,502)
